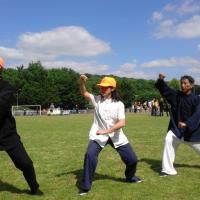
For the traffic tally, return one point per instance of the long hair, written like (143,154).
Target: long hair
(115,95)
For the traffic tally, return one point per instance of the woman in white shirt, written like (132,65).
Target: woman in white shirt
(109,119)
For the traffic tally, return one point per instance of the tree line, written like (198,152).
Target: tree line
(37,85)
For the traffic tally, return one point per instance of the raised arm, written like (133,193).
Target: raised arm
(167,92)
(83,89)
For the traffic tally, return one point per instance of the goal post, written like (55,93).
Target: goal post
(26,110)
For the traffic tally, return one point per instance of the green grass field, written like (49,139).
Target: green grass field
(57,146)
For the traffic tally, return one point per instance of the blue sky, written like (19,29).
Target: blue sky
(128,38)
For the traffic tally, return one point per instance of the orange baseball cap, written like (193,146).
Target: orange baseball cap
(107,82)
(1,63)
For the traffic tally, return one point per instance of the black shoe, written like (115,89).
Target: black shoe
(134,179)
(163,174)
(83,192)
(37,192)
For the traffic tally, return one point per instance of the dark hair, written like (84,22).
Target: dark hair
(115,95)
(189,78)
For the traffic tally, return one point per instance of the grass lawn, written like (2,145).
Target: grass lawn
(57,146)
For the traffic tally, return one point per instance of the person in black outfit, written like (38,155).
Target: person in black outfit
(184,126)
(10,140)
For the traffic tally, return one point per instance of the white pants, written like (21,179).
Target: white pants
(170,147)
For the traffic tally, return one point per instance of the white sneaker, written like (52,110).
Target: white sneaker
(163,174)
(83,192)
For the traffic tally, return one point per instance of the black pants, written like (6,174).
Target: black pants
(126,153)
(23,162)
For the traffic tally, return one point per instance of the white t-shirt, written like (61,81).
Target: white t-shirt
(107,113)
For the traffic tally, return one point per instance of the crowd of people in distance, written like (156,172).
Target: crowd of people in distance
(155,107)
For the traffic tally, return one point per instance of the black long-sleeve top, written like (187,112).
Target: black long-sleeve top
(8,133)
(185,108)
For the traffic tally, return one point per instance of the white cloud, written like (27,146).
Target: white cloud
(180,19)
(168,8)
(91,67)
(182,7)
(189,28)
(172,62)
(50,46)
(166,29)
(127,67)
(188,6)
(194,70)
(157,16)
(11,53)
(186,29)
(71,41)
(62,41)
(128,70)
(198,47)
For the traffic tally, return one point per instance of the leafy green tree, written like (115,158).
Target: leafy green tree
(126,92)
(37,85)
(174,83)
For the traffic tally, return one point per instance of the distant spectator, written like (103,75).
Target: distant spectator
(154,107)
(77,108)
(24,111)
(52,107)
(132,108)
(145,106)
(149,105)
(161,106)
(135,107)
(166,107)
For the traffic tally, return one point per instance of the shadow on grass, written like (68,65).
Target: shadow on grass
(155,165)
(11,188)
(79,177)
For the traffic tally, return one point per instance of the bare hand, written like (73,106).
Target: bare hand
(182,125)
(83,77)
(162,76)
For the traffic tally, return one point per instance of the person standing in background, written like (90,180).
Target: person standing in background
(161,107)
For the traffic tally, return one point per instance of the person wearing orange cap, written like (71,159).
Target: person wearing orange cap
(1,64)
(9,138)
(109,119)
